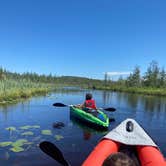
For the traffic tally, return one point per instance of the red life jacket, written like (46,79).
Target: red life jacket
(90,104)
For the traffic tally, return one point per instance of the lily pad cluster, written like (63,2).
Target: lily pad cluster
(16,146)
(19,145)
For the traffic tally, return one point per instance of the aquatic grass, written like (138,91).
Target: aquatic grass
(136,90)
(14,90)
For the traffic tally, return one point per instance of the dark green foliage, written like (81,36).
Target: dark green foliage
(151,78)
(15,85)
(134,79)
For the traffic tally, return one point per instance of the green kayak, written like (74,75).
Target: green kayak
(100,120)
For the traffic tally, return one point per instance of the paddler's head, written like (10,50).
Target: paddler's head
(88,96)
(118,159)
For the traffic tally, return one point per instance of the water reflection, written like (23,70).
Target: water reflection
(135,101)
(87,132)
(149,111)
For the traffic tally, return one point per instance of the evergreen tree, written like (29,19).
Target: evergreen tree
(162,79)
(151,77)
(134,79)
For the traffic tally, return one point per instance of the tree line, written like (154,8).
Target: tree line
(154,77)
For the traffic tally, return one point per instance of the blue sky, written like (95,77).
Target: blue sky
(82,37)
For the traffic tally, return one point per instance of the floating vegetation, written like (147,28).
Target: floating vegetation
(29,127)
(4,144)
(19,142)
(36,126)
(16,149)
(19,145)
(11,128)
(25,127)
(27,133)
(46,132)
(58,137)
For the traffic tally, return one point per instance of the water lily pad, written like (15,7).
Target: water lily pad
(29,127)
(11,128)
(46,132)
(25,127)
(19,142)
(4,144)
(58,137)
(28,133)
(16,149)
(36,126)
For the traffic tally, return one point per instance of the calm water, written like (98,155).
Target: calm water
(74,139)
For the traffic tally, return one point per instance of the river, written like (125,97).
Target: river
(32,122)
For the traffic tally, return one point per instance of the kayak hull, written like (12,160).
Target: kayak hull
(148,155)
(89,119)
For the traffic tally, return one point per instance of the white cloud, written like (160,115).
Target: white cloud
(117,73)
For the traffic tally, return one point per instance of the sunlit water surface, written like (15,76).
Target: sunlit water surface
(75,140)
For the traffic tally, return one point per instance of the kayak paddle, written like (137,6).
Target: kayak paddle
(111,109)
(54,152)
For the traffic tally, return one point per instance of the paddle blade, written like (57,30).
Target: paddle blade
(110,109)
(51,150)
(59,105)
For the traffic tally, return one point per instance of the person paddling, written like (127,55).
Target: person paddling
(89,104)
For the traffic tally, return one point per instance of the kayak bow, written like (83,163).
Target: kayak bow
(129,132)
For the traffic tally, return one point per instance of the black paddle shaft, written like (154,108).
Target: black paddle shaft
(111,109)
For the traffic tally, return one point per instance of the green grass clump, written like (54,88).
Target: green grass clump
(12,90)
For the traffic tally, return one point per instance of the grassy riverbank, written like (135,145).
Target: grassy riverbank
(13,90)
(16,86)
(141,90)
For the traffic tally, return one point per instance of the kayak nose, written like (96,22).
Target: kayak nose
(129,126)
